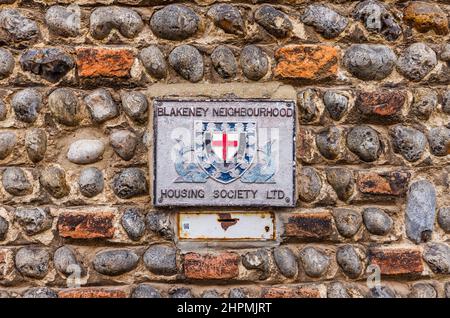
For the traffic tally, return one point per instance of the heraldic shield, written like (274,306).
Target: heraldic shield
(225,150)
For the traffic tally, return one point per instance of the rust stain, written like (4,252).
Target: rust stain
(226,220)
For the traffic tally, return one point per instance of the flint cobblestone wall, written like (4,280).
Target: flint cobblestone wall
(371,81)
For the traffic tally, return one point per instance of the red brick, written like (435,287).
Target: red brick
(91,293)
(104,62)
(398,261)
(381,105)
(290,292)
(86,225)
(209,266)
(307,62)
(385,183)
(317,225)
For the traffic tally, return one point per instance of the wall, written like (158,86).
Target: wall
(371,84)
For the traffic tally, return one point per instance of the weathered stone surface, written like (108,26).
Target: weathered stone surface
(349,260)
(3,110)
(16,27)
(309,226)
(53,180)
(285,261)
(444,218)
(161,259)
(187,61)
(135,105)
(145,291)
(15,181)
(51,64)
(437,256)
(32,261)
(307,105)
(347,221)
(91,292)
(439,141)
(425,17)
(445,53)
(424,103)
(66,262)
(64,105)
(336,104)
(154,62)
(420,211)
(224,61)
(382,292)
(254,62)
(422,290)
(258,260)
(274,21)
(384,183)
(342,181)
(329,142)
(211,267)
(91,182)
(89,225)
(6,63)
(382,105)
(8,142)
(124,143)
(446,102)
(104,62)
(115,262)
(307,62)
(416,61)
(369,61)
(64,21)
(33,220)
(126,21)
(85,151)
(133,223)
(324,20)
(315,262)
(4,226)
(377,221)
(129,183)
(305,291)
(364,142)
(101,106)
(407,141)
(228,18)
(36,144)
(397,261)
(26,105)
(311,184)
(377,19)
(40,292)
(180,292)
(237,293)
(175,22)
(210,294)
(159,222)
(337,290)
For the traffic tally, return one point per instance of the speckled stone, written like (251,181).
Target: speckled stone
(115,262)
(124,143)
(133,223)
(154,62)
(4,227)
(439,141)
(161,259)
(16,182)
(228,18)
(437,256)
(17,26)
(422,290)
(407,141)
(125,20)
(444,218)
(130,182)
(32,261)
(36,144)
(66,262)
(377,221)
(364,142)
(311,184)
(53,180)
(6,63)
(145,291)
(349,261)
(274,21)
(175,22)
(8,142)
(64,105)
(224,61)
(336,104)
(416,61)
(135,105)
(307,105)
(315,262)
(285,261)
(187,61)
(33,220)
(329,142)
(91,182)
(348,221)
(26,105)
(342,181)
(64,21)
(424,103)
(254,62)
(324,20)
(101,106)
(40,292)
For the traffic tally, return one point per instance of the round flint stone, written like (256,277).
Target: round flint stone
(161,259)
(124,143)
(228,18)
(26,104)
(15,181)
(187,61)
(337,290)
(3,110)
(65,261)
(324,20)
(6,63)
(63,104)
(407,141)
(8,141)
(32,261)
(53,180)
(285,261)
(416,61)
(36,144)
(377,221)
(328,142)
(437,256)
(237,293)
(336,104)
(115,262)
(347,221)
(133,223)
(135,105)
(444,218)
(154,62)
(315,262)
(342,181)
(180,292)
(175,22)
(33,220)
(422,290)
(274,21)
(40,292)
(85,151)
(349,261)
(17,26)
(424,103)
(224,61)
(312,184)
(145,291)
(129,183)
(364,142)
(4,226)
(101,106)
(446,102)
(64,21)
(127,21)
(369,61)
(91,182)
(439,141)
(254,62)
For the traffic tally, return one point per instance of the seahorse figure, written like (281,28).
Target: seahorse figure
(188,172)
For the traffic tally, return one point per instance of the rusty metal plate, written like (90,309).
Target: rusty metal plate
(224,153)
(255,226)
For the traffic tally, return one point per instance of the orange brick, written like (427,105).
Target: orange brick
(86,225)
(104,62)
(317,225)
(399,261)
(91,293)
(382,105)
(307,62)
(221,266)
(385,183)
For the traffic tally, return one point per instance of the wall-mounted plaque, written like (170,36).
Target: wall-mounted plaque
(224,153)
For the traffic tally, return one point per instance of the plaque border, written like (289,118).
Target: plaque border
(291,103)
